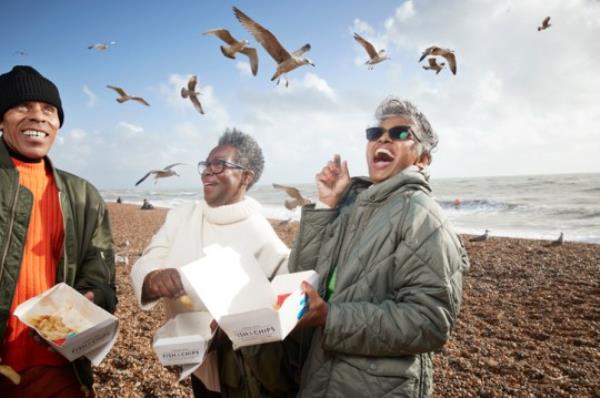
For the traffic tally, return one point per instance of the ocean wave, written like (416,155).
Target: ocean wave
(482,205)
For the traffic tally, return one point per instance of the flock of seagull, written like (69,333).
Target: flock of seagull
(286,61)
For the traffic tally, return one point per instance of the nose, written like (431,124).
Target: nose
(385,137)
(37,114)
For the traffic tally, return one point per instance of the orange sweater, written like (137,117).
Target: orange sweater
(43,246)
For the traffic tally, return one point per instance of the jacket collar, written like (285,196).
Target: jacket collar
(410,178)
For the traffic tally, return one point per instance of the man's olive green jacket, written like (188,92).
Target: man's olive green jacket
(87,261)
(399,268)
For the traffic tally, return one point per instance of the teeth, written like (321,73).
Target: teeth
(34,133)
(383,150)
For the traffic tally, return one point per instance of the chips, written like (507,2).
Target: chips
(186,301)
(10,373)
(51,327)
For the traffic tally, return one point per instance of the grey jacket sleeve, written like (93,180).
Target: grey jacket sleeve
(423,301)
(313,226)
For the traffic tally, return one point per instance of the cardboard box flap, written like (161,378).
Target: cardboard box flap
(227,283)
(95,329)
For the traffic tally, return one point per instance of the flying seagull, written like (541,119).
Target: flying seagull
(21,53)
(123,96)
(298,199)
(481,238)
(433,65)
(101,46)
(236,46)
(545,24)
(374,55)
(166,172)
(442,52)
(286,62)
(191,92)
(558,241)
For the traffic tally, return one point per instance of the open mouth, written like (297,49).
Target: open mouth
(382,157)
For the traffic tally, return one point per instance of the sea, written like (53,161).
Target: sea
(533,207)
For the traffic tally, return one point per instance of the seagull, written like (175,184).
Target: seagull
(101,46)
(481,238)
(236,46)
(545,24)
(558,241)
(298,199)
(166,172)
(191,92)
(21,53)
(448,54)
(433,65)
(286,62)
(123,96)
(374,55)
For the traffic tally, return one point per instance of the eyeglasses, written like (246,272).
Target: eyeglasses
(217,166)
(396,133)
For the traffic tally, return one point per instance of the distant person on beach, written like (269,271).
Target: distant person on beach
(390,265)
(226,217)
(54,228)
(147,205)
(119,201)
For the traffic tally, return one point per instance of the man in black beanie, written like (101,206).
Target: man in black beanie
(54,228)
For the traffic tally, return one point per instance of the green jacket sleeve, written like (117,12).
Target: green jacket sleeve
(423,300)
(96,269)
(313,227)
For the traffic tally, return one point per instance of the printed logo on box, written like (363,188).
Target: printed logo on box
(252,332)
(89,343)
(180,354)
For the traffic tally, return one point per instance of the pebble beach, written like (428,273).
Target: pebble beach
(529,323)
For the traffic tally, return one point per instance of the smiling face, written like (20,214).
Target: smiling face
(228,186)
(387,157)
(31,128)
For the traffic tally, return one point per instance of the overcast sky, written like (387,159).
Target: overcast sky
(522,102)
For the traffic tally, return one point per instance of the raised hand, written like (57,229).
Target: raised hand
(332,181)
(162,283)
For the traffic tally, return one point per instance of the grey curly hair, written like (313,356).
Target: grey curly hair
(394,106)
(249,154)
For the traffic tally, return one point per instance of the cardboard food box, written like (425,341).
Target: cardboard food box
(92,330)
(184,339)
(250,309)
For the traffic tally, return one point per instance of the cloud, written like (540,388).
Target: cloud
(91,96)
(129,129)
(244,68)
(516,88)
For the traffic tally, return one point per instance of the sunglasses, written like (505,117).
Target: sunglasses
(217,166)
(396,133)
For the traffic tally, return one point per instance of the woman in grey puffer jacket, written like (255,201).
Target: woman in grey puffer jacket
(390,264)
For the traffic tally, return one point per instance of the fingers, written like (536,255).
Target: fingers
(344,169)
(90,296)
(166,283)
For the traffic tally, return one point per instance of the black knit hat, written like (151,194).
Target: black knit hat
(22,84)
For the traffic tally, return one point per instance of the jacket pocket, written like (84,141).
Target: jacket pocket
(380,377)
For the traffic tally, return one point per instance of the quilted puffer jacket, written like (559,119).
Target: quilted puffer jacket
(399,268)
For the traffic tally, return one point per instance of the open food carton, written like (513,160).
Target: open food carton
(250,309)
(184,339)
(70,323)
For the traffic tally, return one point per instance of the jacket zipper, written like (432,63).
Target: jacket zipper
(65,262)
(10,227)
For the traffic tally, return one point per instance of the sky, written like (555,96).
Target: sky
(523,102)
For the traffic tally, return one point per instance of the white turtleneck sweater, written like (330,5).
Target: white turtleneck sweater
(191,227)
